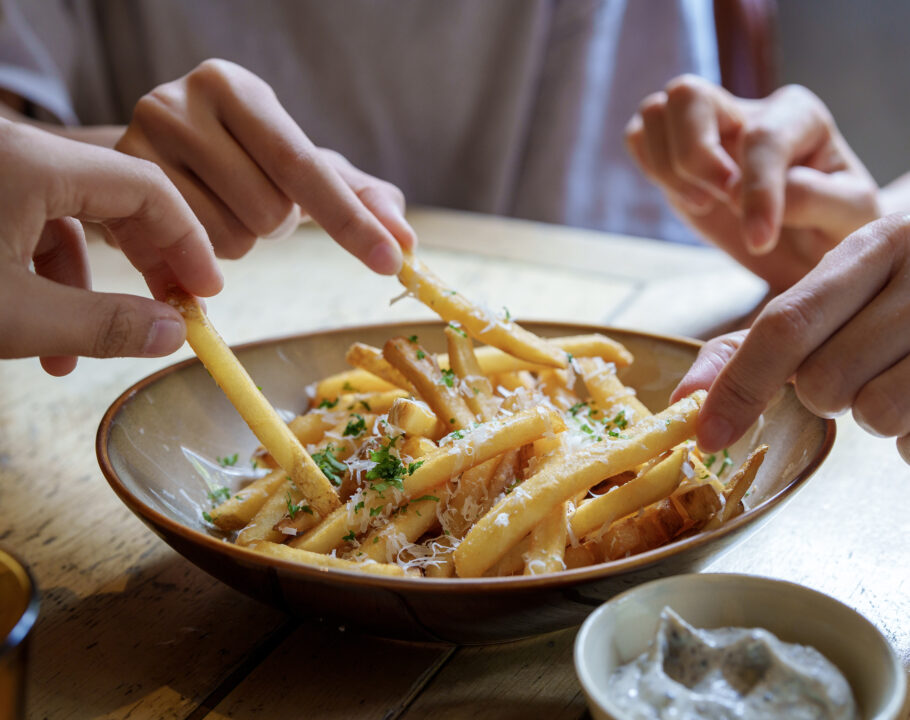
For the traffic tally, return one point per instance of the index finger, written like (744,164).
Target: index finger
(791,328)
(304,174)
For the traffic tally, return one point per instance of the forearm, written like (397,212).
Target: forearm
(12,107)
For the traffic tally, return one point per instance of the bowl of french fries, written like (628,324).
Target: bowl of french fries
(470,480)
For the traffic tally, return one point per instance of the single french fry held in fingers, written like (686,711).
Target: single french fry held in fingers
(500,332)
(438,389)
(252,405)
(521,510)
(369,358)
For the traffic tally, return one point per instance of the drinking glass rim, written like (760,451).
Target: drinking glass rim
(26,621)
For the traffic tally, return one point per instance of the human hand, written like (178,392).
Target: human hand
(243,165)
(772,182)
(46,183)
(842,333)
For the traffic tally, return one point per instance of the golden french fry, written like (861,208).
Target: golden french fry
(252,405)
(521,510)
(349,381)
(687,508)
(740,483)
(476,386)
(547,550)
(414,417)
(479,324)
(262,525)
(284,552)
(493,361)
(439,390)
(609,394)
(237,511)
(656,483)
(369,358)
(477,446)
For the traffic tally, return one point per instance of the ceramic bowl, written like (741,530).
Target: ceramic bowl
(621,629)
(158,442)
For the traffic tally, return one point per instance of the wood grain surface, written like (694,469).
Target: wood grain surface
(128,628)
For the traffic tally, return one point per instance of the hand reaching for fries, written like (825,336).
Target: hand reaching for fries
(771,181)
(839,333)
(471,463)
(48,184)
(247,169)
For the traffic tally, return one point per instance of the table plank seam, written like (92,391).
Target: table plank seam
(420,684)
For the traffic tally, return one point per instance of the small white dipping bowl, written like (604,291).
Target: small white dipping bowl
(621,630)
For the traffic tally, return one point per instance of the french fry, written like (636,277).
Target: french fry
(369,358)
(284,552)
(737,487)
(478,390)
(437,390)
(252,405)
(349,381)
(608,392)
(521,510)
(262,525)
(653,485)
(685,509)
(477,446)
(237,511)
(479,324)
(414,417)
(547,550)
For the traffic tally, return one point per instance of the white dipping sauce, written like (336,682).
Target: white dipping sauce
(690,674)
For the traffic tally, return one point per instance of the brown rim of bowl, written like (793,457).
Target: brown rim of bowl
(504,584)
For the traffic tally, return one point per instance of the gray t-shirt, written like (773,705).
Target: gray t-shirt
(514,107)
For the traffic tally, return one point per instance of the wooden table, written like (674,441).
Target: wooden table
(128,628)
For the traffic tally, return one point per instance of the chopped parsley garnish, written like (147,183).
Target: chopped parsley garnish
(427,497)
(356,427)
(349,537)
(585,428)
(577,408)
(613,433)
(448,377)
(451,292)
(218,495)
(458,435)
(376,510)
(709,461)
(412,338)
(727,462)
(388,470)
(326,403)
(255,464)
(331,466)
(620,420)
(421,354)
(508,314)
(347,386)
(451,421)
(512,486)
(294,509)
(366,405)
(358,507)
(457,329)
(228,461)
(206,516)
(414,465)
(569,357)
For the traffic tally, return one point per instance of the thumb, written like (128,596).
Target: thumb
(711,359)
(59,320)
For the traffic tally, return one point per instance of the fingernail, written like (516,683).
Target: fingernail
(287,226)
(759,237)
(714,433)
(385,258)
(165,336)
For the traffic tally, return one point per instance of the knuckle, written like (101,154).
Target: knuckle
(878,409)
(788,319)
(653,104)
(115,332)
(684,88)
(823,387)
(265,215)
